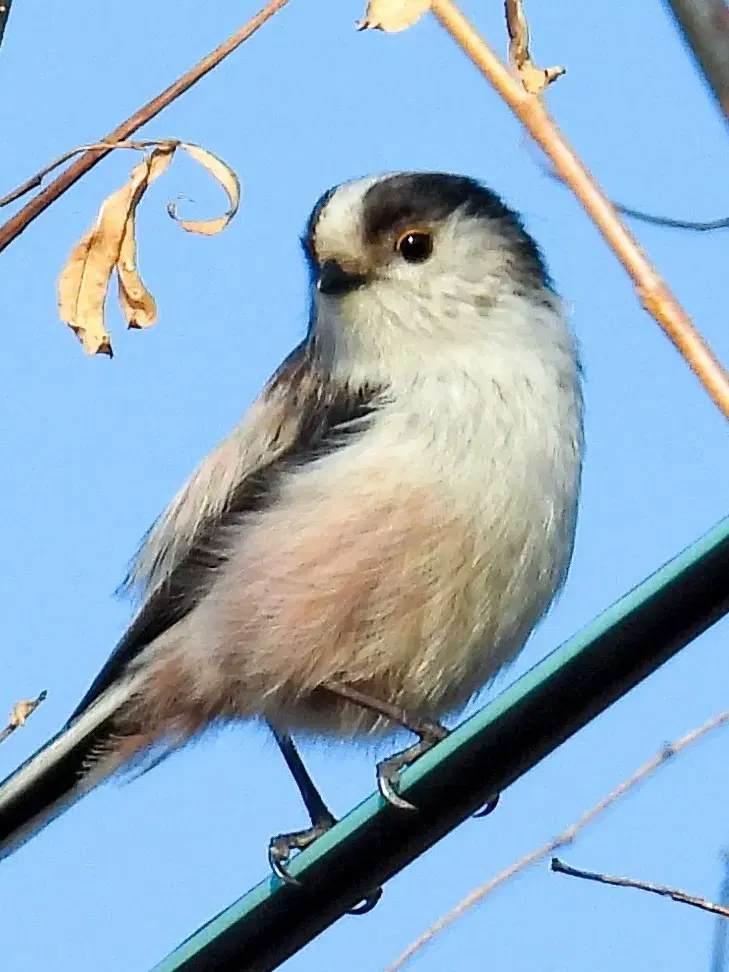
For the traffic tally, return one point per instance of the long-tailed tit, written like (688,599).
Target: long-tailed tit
(384,528)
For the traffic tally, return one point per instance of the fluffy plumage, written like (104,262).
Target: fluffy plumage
(396,511)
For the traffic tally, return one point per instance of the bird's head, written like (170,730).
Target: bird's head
(417,246)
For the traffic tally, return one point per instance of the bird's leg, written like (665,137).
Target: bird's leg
(319,814)
(429,734)
(322,819)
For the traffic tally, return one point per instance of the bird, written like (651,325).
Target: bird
(379,535)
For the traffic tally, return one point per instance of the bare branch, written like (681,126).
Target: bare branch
(652,290)
(705,27)
(561,840)
(622,882)
(20,713)
(21,220)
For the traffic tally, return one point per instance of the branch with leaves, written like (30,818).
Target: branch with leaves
(521,89)
(10,230)
(110,245)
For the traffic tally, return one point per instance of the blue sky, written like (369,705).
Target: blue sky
(93,449)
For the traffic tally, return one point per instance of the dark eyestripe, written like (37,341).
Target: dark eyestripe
(412,199)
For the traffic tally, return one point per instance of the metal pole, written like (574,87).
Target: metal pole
(478,760)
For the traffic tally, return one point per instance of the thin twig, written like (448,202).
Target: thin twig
(666,221)
(36,180)
(16,224)
(561,840)
(654,293)
(5,6)
(622,882)
(669,222)
(705,27)
(20,713)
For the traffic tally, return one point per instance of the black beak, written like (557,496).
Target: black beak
(335,281)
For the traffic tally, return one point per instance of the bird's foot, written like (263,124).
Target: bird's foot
(388,770)
(281,847)
(428,732)
(279,854)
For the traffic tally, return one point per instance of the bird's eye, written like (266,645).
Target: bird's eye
(415,246)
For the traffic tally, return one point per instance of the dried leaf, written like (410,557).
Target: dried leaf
(84,280)
(227,179)
(392,15)
(518,29)
(22,710)
(20,713)
(534,79)
(111,244)
(79,292)
(138,305)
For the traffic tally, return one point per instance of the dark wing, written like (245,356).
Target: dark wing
(300,414)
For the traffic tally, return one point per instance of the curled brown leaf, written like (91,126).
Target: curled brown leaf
(82,290)
(84,280)
(110,245)
(227,179)
(137,303)
(392,15)
(534,79)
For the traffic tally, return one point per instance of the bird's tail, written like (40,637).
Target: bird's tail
(60,772)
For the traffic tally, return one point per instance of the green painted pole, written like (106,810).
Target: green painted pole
(478,760)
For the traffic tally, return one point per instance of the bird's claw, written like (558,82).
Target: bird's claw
(388,769)
(387,772)
(279,854)
(367,904)
(489,807)
(280,848)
